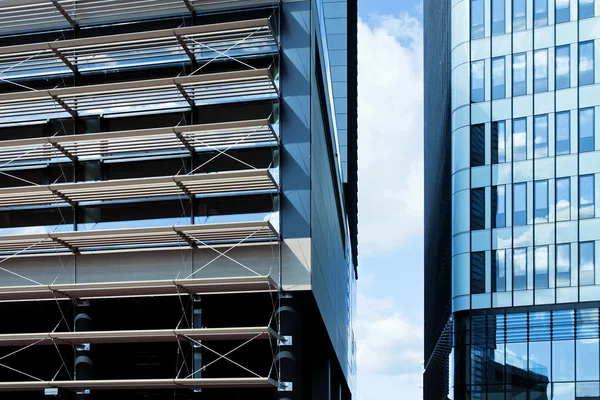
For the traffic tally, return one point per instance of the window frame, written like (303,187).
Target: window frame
(593,203)
(567,247)
(557,198)
(586,73)
(514,203)
(520,85)
(498,92)
(473,96)
(540,184)
(477,28)
(544,88)
(589,144)
(568,140)
(593,272)
(522,153)
(514,269)
(543,151)
(567,76)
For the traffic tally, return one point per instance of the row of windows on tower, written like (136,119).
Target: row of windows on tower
(562,269)
(520,135)
(562,14)
(562,70)
(562,190)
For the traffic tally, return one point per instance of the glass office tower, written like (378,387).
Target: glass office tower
(178,199)
(512,93)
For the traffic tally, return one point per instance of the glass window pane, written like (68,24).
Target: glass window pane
(499,206)
(478,272)
(586,263)
(519,139)
(586,9)
(477,209)
(541,267)
(519,75)
(541,201)
(519,11)
(586,129)
(477,30)
(498,15)
(586,63)
(563,360)
(477,84)
(563,199)
(563,265)
(499,270)
(498,142)
(586,196)
(587,360)
(520,269)
(563,12)
(563,132)
(541,135)
(563,391)
(520,204)
(540,13)
(540,62)
(563,67)
(498,78)
(477,145)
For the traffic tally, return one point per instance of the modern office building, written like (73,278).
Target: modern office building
(178,199)
(512,291)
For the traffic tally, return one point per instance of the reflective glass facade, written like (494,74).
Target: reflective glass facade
(523,166)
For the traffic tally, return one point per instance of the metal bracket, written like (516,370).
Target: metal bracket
(83,347)
(285,387)
(285,341)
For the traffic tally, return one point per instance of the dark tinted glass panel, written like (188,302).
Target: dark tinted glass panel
(477,145)
(499,270)
(498,142)
(477,209)
(499,206)
(478,272)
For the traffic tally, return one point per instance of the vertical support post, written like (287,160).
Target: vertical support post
(84,366)
(289,355)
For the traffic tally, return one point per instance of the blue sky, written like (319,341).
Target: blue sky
(390,287)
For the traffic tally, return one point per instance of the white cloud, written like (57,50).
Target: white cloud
(389,344)
(390,103)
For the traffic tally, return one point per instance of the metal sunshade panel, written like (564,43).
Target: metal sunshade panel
(138,96)
(201,137)
(179,185)
(136,336)
(248,284)
(137,49)
(39,15)
(131,384)
(233,232)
